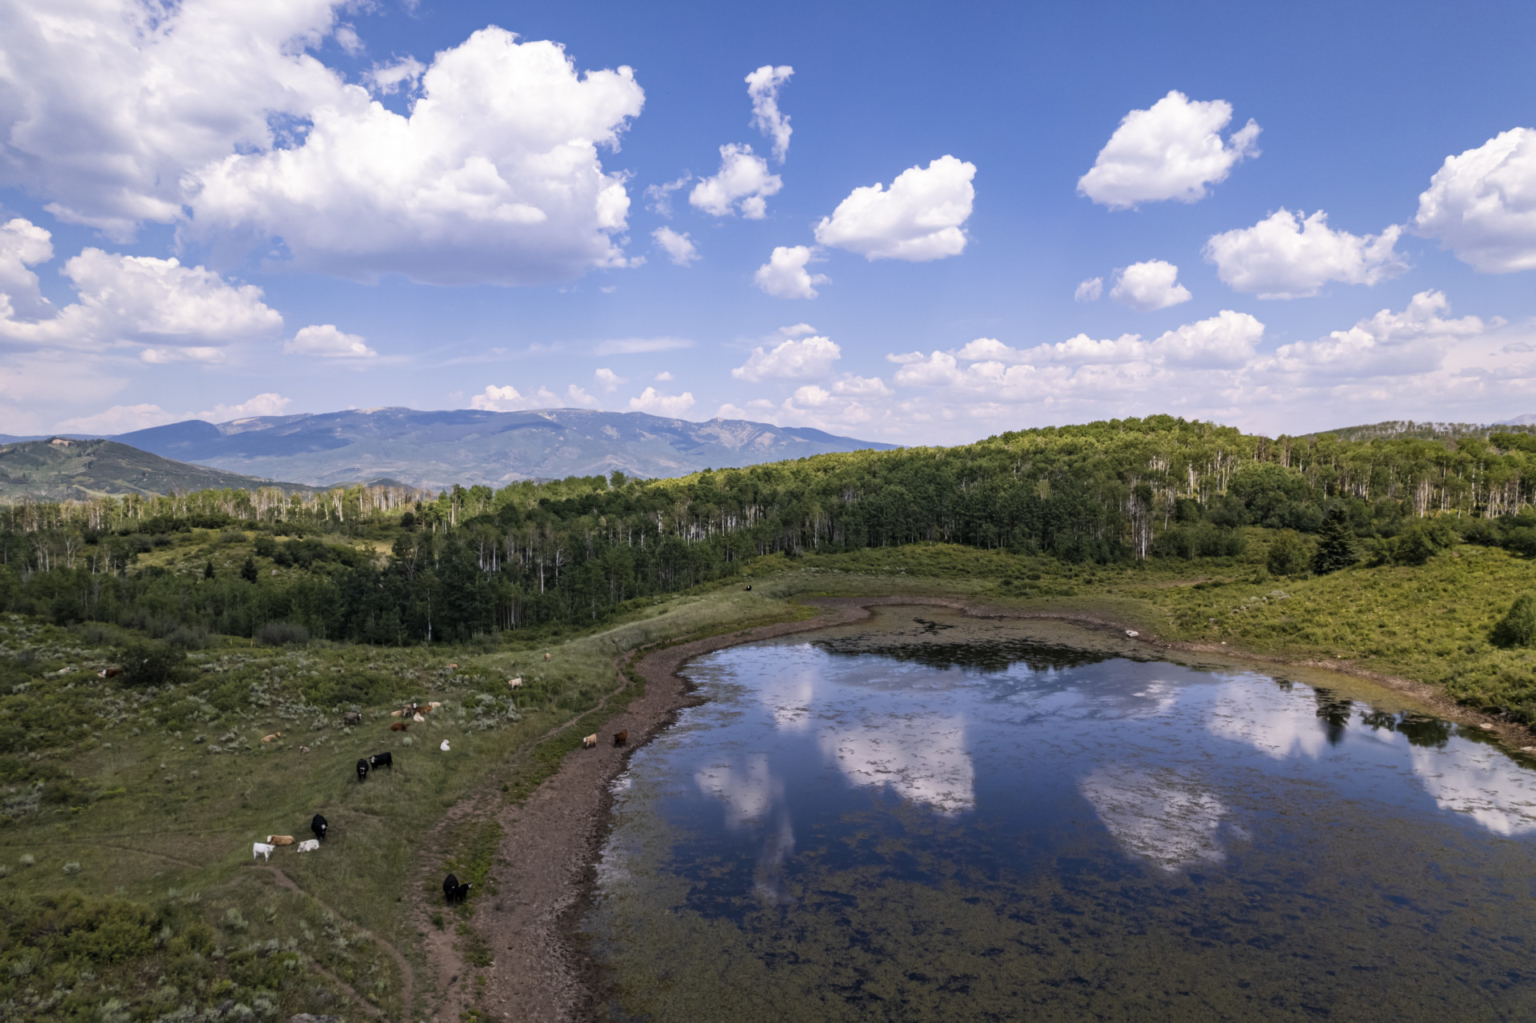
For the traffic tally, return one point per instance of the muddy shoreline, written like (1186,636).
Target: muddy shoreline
(546,867)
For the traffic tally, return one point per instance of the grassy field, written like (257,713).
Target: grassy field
(127,888)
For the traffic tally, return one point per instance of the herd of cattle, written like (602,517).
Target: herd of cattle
(454,891)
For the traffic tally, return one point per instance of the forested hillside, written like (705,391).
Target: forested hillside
(384,565)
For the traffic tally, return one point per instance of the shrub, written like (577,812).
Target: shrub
(282,634)
(151,664)
(1521,540)
(1518,628)
(1288,556)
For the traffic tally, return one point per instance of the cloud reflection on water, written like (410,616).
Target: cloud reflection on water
(1272,721)
(922,757)
(1481,782)
(1160,816)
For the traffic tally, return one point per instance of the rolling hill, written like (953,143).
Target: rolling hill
(61,469)
(437,449)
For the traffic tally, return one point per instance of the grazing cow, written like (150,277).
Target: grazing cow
(109,672)
(588,741)
(280,839)
(382,760)
(1132,633)
(453,665)
(395,713)
(444,746)
(362,770)
(429,708)
(309,845)
(274,735)
(515,683)
(546,655)
(749,586)
(620,738)
(262,849)
(351,718)
(418,717)
(454,893)
(303,749)
(319,825)
(399,726)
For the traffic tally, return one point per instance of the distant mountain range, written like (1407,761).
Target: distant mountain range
(62,469)
(439,449)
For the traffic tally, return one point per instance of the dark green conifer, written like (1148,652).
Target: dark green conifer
(1336,546)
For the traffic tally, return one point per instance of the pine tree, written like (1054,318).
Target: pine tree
(248,571)
(1336,547)
(208,570)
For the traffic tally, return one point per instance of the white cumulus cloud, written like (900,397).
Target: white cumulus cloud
(1284,256)
(742,185)
(1482,204)
(608,380)
(658,404)
(326,341)
(1386,345)
(678,247)
(494,176)
(1089,290)
(918,219)
(390,78)
(171,89)
(790,360)
(763,86)
(510,399)
(127,418)
(1149,286)
(785,275)
(23,245)
(134,300)
(1172,151)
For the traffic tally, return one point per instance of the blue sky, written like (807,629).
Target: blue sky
(499,249)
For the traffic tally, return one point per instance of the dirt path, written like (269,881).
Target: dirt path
(407,974)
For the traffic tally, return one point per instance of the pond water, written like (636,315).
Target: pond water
(1017,830)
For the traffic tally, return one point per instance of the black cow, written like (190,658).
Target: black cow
(319,825)
(453,891)
(362,770)
(382,760)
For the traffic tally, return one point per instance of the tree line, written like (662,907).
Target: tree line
(390,566)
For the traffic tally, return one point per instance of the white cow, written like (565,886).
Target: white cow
(261,849)
(309,845)
(444,746)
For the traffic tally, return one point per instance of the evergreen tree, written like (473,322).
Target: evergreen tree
(1336,546)
(248,571)
(208,570)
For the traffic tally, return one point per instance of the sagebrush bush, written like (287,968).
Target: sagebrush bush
(1518,627)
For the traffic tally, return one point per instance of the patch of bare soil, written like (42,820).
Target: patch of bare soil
(546,865)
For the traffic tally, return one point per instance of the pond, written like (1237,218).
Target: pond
(897,823)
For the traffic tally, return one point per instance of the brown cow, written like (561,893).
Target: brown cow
(279,839)
(620,738)
(274,735)
(546,655)
(399,726)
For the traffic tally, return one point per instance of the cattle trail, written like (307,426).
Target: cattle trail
(407,975)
